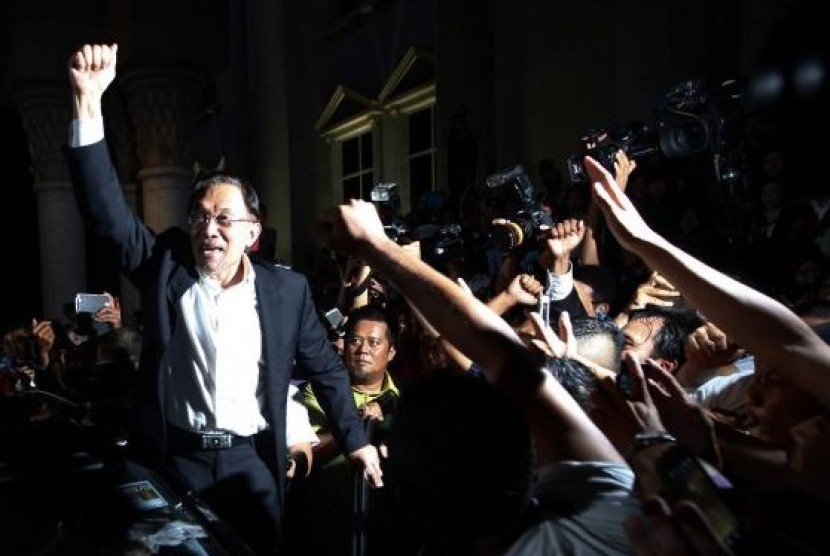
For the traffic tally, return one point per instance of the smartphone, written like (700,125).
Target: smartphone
(624,380)
(683,477)
(90,302)
(335,319)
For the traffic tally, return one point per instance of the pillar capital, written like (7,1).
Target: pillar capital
(163,104)
(45,113)
(120,137)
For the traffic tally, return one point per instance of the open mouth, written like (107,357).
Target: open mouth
(210,249)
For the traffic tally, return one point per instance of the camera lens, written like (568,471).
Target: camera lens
(507,236)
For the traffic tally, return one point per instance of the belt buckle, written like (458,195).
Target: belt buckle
(216,440)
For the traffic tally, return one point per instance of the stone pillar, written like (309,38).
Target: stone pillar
(45,115)
(163,105)
(266,29)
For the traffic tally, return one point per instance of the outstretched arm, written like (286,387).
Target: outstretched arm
(99,194)
(560,428)
(589,255)
(753,320)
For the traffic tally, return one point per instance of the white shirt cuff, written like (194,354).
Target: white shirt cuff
(86,132)
(560,285)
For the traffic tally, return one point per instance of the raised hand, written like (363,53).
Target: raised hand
(43,335)
(563,237)
(684,418)
(622,217)
(111,313)
(655,291)
(708,347)
(623,167)
(91,70)
(562,344)
(525,289)
(352,228)
(631,398)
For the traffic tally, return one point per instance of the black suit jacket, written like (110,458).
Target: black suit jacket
(162,267)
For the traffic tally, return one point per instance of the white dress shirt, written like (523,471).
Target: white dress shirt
(212,365)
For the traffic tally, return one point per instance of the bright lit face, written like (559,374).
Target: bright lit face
(368,352)
(639,336)
(218,249)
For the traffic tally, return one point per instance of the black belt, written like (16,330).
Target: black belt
(188,441)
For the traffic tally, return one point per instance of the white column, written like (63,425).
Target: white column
(166,190)
(163,105)
(45,115)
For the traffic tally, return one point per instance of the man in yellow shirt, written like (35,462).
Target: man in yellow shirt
(368,349)
(327,498)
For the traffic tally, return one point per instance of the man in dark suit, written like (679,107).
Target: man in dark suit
(222,331)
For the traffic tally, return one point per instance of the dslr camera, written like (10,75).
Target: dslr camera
(445,244)
(512,191)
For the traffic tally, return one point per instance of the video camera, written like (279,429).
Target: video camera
(513,194)
(635,139)
(690,119)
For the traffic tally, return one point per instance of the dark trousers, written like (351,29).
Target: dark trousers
(238,487)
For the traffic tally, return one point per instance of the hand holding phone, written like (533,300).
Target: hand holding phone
(625,378)
(91,302)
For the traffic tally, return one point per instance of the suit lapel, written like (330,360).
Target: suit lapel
(270,305)
(181,280)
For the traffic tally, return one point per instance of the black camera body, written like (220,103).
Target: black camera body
(514,197)
(635,139)
(444,245)
(387,201)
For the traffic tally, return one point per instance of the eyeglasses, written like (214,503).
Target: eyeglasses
(357,341)
(222,220)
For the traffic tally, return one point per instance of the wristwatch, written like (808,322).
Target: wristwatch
(650,438)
